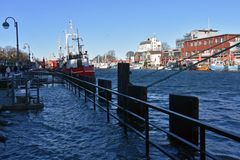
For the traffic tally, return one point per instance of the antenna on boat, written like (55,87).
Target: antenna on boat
(208,23)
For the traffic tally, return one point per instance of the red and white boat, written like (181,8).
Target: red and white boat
(76,61)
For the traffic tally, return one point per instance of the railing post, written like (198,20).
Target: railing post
(13,93)
(147,131)
(125,119)
(85,94)
(79,93)
(75,88)
(108,114)
(202,143)
(38,100)
(52,80)
(26,90)
(94,102)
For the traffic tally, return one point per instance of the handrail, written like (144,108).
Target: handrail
(166,111)
(203,126)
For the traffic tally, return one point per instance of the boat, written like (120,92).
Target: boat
(76,62)
(218,66)
(202,67)
(172,66)
(233,68)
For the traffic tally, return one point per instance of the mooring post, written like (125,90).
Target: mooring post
(139,92)
(188,106)
(123,81)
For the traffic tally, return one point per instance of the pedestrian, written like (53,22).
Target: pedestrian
(15,69)
(3,70)
(8,70)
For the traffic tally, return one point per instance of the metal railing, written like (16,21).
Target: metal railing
(17,83)
(72,82)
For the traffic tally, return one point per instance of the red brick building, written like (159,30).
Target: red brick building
(191,47)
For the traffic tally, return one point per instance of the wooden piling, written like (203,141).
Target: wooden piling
(123,81)
(188,106)
(103,93)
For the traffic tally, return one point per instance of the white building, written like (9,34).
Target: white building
(151,44)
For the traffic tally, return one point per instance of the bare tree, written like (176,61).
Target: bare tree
(129,54)
(165,46)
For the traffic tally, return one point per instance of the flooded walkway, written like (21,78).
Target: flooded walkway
(67,128)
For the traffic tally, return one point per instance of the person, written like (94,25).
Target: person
(3,70)
(8,70)
(15,69)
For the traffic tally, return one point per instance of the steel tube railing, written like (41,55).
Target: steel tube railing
(202,126)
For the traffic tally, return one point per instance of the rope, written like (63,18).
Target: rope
(148,74)
(175,73)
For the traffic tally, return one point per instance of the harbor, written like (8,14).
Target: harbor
(83,124)
(119,80)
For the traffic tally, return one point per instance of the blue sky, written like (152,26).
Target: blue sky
(112,24)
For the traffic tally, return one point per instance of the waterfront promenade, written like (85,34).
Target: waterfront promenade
(67,128)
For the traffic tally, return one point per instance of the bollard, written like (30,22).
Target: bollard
(188,106)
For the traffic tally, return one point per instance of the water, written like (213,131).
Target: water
(67,128)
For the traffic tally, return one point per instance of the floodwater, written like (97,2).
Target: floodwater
(68,128)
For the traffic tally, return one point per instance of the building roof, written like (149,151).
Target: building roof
(155,52)
(145,42)
(221,35)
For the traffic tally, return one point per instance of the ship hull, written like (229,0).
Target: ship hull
(80,71)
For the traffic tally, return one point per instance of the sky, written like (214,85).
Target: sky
(118,25)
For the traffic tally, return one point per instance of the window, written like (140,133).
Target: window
(205,43)
(216,40)
(221,40)
(191,44)
(200,43)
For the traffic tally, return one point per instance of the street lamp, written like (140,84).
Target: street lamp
(6,26)
(29,53)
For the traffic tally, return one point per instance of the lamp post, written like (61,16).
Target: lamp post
(6,26)
(29,52)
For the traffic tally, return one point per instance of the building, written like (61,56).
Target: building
(151,44)
(200,46)
(196,34)
(172,55)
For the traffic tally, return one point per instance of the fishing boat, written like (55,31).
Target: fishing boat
(233,68)
(76,61)
(202,67)
(218,66)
